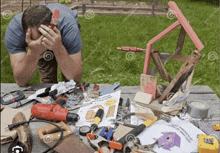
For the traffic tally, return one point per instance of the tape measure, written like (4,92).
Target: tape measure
(198,110)
(84,130)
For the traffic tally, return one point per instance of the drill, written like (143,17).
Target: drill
(54,112)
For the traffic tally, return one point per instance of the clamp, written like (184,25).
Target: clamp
(97,141)
(106,132)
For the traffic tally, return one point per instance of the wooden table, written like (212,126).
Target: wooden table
(198,93)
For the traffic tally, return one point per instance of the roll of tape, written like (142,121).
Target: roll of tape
(198,110)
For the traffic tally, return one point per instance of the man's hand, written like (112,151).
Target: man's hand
(35,45)
(52,38)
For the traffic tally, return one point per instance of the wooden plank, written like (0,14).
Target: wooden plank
(147,59)
(160,67)
(180,43)
(178,58)
(189,82)
(181,18)
(7,87)
(190,63)
(164,33)
(149,84)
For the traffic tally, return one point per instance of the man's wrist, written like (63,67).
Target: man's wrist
(59,49)
(34,53)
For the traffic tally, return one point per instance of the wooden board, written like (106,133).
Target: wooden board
(180,41)
(149,84)
(111,111)
(160,67)
(188,66)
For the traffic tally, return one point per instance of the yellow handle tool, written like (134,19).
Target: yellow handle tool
(98,119)
(137,130)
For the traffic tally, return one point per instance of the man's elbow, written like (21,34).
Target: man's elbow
(77,76)
(21,82)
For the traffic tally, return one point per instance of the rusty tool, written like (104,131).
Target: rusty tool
(97,141)
(131,49)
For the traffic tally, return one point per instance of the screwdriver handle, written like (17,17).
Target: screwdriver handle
(133,133)
(98,119)
(132,49)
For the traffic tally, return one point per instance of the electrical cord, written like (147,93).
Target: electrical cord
(11,126)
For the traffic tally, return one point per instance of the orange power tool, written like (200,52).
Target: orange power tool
(53,112)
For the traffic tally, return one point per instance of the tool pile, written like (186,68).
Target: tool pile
(156,119)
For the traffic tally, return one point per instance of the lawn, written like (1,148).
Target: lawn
(101,35)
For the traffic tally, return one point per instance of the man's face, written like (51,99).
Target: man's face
(35,33)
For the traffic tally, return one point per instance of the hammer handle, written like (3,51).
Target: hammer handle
(133,133)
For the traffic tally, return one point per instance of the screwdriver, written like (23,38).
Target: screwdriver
(132,49)
(98,119)
(133,133)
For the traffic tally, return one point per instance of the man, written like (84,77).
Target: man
(32,29)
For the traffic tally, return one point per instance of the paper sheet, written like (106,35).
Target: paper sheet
(109,99)
(185,130)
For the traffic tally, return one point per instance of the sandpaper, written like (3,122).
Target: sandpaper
(71,144)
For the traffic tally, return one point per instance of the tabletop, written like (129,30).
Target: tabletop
(197,93)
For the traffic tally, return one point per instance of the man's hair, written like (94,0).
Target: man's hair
(36,15)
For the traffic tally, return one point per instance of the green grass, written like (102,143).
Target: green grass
(101,35)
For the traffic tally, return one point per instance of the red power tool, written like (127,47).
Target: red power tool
(53,112)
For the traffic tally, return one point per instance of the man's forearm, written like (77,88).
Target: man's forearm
(70,68)
(24,69)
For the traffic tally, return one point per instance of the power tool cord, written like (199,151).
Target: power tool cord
(11,126)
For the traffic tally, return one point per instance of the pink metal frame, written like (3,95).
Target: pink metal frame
(181,21)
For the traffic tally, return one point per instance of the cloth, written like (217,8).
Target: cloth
(70,32)
(7,115)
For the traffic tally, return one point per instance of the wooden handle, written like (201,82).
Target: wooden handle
(23,131)
(54,131)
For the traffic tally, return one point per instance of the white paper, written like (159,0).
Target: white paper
(100,101)
(187,132)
